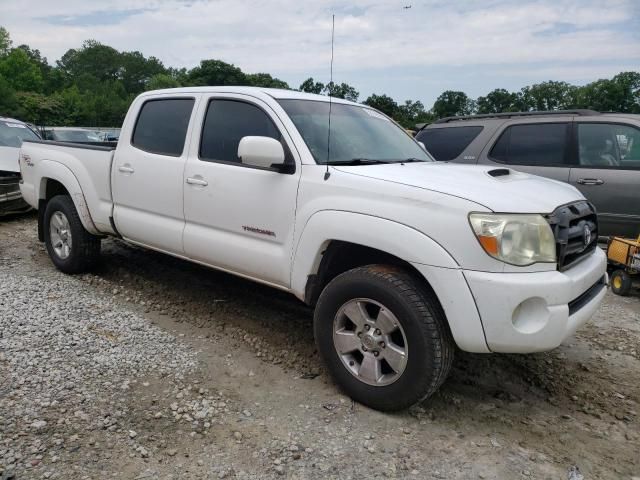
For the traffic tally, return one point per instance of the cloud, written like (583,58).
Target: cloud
(291,39)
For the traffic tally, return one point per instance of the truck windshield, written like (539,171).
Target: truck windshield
(12,134)
(359,135)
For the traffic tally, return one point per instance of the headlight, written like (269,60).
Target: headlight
(518,239)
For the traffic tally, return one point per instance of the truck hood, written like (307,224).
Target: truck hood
(9,159)
(498,189)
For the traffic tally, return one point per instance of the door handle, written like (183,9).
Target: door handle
(125,169)
(590,181)
(197,181)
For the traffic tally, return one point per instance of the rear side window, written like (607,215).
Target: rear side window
(534,144)
(447,143)
(162,126)
(227,121)
(608,145)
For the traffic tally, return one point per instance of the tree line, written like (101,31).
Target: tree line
(93,86)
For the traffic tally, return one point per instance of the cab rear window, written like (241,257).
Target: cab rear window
(449,142)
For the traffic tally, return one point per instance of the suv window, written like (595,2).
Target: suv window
(162,126)
(448,142)
(226,122)
(608,145)
(533,144)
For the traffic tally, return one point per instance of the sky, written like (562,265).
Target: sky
(407,49)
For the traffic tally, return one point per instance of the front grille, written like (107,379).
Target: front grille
(569,224)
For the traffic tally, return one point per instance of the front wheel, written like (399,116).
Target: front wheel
(71,248)
(383,336)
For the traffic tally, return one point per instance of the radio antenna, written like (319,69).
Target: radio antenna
(331,87)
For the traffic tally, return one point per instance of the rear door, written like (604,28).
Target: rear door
(537,146)
(608,174)
(238,217)
(147,175)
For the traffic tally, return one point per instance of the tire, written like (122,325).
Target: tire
(389,298)
(71,248)
(621,283)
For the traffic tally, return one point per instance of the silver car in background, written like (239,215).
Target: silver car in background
(598,153)
(12,133)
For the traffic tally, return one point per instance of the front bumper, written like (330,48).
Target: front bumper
(531,312)
(11,200)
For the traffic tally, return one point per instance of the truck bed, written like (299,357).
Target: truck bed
(89,164)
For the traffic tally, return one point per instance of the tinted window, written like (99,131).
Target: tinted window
(447,143)
(608,145)
(535,144)
(227,121)
(162,126)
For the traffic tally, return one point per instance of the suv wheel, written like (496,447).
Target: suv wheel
(383,336)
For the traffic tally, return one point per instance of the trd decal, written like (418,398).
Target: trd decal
(258,230)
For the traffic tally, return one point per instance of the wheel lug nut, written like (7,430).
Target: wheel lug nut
(376,353)
(382,344)
(367,327)
(359,334)
(364,349)
(377,332)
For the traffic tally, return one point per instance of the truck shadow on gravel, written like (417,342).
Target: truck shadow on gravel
(278,327)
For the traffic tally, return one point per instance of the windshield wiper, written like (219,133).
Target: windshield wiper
(411,159)
(359,161)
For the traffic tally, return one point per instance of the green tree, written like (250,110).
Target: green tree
(8,100)
(497,101)
(21,72)
(92,59)
(265,80)
(343,90)
(136,71)
(549,95)
(452,103)
(5,42)
(216,72)
(383,103)
(410,113)
(162,80)
(311,86)
(37,108)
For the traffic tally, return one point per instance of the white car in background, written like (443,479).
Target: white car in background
(12,133)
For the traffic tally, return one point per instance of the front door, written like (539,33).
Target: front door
(608,175)
(147,175)
(239,218)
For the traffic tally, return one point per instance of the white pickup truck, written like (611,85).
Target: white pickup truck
(403,258)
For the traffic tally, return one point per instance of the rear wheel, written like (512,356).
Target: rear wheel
(383,336)
(71,248)
(621,283)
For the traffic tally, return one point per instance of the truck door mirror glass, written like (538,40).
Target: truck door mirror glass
(264,152)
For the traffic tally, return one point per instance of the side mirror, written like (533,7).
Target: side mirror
(424,147)
(264,152)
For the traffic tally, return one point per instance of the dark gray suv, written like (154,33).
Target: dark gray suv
(598,153)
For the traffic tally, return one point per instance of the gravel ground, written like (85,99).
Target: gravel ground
(155,368)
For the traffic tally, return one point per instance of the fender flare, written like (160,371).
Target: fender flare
(50,170)
(391,237)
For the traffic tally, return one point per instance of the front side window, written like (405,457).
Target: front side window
(448,142)
(162,126)
(13,133)
(358,134)
(226,122)
(533,144)
(608,145)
